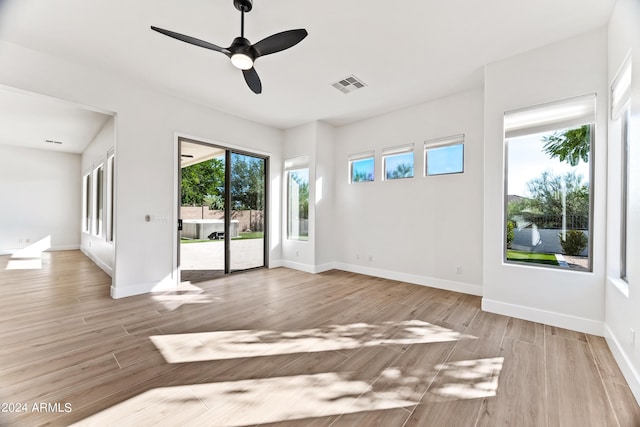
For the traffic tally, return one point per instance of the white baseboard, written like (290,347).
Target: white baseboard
(624,362)
(307,268)
(449,285)
(51,249)
(276,263)
(97,261)
(168,284)
(551,318)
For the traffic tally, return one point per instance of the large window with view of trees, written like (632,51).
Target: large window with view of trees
(548,184)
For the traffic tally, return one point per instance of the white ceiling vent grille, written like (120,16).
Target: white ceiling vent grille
(349,84)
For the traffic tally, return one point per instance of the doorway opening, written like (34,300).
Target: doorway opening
(222,211)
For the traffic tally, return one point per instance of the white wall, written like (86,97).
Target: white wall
(147,157)
(421,229)
(557,297)
(300,141)
(621,311)
(39,197)
(326,237)
(98,248)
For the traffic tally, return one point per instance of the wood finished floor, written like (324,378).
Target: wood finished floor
(285,348)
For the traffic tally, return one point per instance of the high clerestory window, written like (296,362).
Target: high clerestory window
(397,162)
(362,167)
(548,199)
(444,155)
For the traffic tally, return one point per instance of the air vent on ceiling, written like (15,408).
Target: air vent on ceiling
(51,141)
(349,84)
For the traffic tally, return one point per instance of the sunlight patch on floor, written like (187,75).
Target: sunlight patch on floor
(25,264)
(468,379)
(29,258)
(185,293)
(196,347)
(249,402)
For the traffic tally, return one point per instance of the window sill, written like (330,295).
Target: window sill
(620,285)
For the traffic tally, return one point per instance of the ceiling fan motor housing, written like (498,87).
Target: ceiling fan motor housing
(243,5)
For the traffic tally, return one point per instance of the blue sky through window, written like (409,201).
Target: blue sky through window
(393,166)
(362,170)
(445,160)
(527,160)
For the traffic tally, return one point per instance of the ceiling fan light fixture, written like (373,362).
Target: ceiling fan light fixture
(242,52)
(242,61)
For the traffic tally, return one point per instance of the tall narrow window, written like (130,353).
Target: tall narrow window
(86,203)
(620,112)
(548,184)
(624,196)
(111,164)
(362,167)
(444,155)
(98,202)
(297,198)
(397,162)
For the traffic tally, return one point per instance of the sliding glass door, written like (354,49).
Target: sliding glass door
(247,211)
(222,215)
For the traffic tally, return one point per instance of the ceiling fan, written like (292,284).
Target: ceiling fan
(242,53)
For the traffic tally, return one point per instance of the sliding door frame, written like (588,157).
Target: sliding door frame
(229,150)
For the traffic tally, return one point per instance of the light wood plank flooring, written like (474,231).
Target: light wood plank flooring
(285,348)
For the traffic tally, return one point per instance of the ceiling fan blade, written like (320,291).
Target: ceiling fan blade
(252,79)
(192,40)
(279,42)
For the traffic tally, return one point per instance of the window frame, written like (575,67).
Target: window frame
(354,158)
(97,215)
(392,152)
(621,114)
(450,141)
(87,184)
(292,165)
(561,124)
(625,170)
(110,194)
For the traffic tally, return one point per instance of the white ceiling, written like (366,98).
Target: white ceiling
(406,52)
(31,120)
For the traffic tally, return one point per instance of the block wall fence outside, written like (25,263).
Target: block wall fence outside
(248,220)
